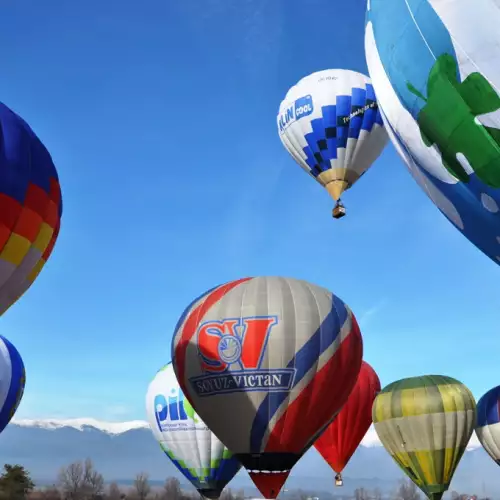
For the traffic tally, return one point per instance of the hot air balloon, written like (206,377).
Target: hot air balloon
(425,424)
(12,380)
(329,122)
(442,110)
(185,439)
(30,207)
(267,363)
(488,423)
(341,438)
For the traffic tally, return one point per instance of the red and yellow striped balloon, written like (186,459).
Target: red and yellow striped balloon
(30,207)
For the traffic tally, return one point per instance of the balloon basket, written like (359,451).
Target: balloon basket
(339,211)
(338,480)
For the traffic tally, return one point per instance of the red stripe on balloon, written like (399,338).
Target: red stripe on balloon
(308,414)
(192,322)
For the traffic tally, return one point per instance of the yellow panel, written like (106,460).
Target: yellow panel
(36,270)
(449,463)
(405,462)
(453,398)
(15,249)
(382,407)
(409,400)
(425,459)
(402,458)
(43,239)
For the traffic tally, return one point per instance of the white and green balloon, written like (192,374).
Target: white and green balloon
(185,439)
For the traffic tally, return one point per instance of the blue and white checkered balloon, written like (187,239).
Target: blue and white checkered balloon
(330,123)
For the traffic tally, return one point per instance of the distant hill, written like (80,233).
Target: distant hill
(121,450)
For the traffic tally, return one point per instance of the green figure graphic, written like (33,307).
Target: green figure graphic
(190,411)
(447,120)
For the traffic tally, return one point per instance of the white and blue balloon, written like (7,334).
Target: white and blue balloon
(435,69)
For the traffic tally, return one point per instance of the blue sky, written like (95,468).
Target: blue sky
(160,117)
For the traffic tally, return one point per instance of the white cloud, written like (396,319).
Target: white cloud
(371,438)
(364,317)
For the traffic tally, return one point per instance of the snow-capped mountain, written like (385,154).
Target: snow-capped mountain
(81,423)
(371,439)
(122,449)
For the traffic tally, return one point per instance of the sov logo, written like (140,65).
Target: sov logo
(232,352)
(300,108)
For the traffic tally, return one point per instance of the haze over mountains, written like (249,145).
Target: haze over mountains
(121,450)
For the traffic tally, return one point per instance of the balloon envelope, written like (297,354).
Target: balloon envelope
(30,207)
(442,111)
(341,438)
(425,423)
(267,363)
(488,423)
(12,380)
(185,439)
(330,124)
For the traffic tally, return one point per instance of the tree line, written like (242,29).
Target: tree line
(407,490)
(81,481)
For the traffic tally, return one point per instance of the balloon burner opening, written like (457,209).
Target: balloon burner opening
(268,462)
(210,493)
